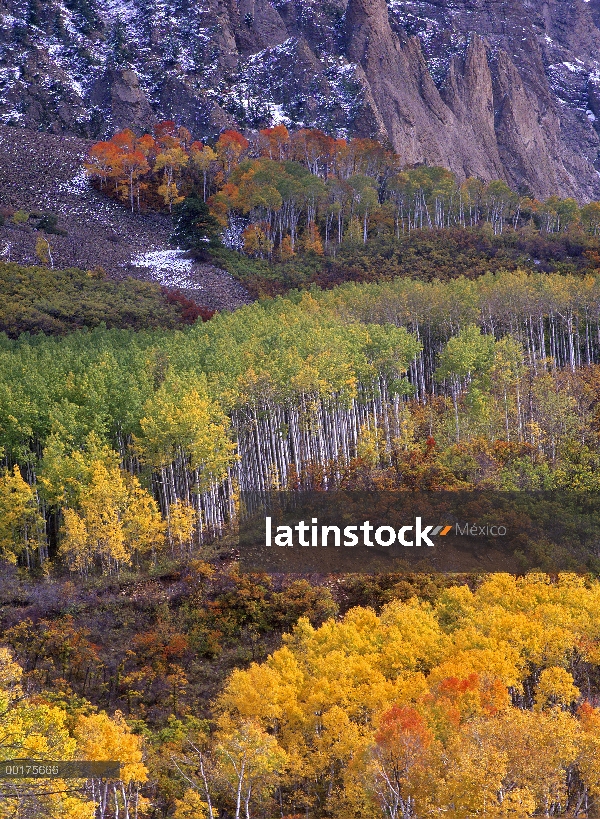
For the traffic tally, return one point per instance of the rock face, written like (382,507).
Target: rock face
(119,94)
(505,89)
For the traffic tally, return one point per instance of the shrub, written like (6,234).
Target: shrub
(48,223)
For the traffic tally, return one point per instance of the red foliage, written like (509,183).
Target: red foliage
(233,138)
(165,128)
(403,726)
(453,687)
(190,311)
(274,142)
(125,140)
(161,651)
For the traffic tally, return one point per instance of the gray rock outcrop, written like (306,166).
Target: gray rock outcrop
(505,89)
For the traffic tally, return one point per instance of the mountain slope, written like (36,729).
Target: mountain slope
(42,173)
(494,88)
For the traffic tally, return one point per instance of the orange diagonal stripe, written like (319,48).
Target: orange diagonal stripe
(445,530)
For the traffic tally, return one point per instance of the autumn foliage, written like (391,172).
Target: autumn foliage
(223,694)
(482,701)
(277,194)
(471,706)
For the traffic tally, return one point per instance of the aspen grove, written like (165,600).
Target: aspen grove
(119,445)
(277,194)
(130,631)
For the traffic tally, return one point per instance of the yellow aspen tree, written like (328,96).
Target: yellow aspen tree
(181,522)
(102,507)
(555,688)
(95,533)
(311,241)
(170,162)
(540,749)
(75,546)
(180,420)
(108,516)
(67,472)
(100,738)
(190,806)
(34,729)
(250,763)
(170,194)
(143,527)
(43,250)
(20,521)
(588,761)
(473,776)
(204,160)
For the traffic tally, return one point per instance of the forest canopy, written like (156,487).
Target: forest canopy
(477,705)
(468,383)
(280,193)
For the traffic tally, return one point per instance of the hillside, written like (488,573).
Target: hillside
(317,267)
(92,231)
(506,90)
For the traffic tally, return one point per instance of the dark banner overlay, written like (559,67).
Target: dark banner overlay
(44,769)
(467,531)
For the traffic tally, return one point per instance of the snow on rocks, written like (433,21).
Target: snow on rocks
(169,267)
(204,283)
(77,185)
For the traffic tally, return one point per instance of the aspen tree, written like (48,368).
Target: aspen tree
(21,525)
(32,728)
(101,738)
(250,760)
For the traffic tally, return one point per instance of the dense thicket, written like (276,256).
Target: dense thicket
(39,300)
(426,255)
(128,443)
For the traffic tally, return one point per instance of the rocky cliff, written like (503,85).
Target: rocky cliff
(494,88)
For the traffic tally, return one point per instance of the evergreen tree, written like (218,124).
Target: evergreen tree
(195,227)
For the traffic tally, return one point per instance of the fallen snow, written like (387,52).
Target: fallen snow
(118,9)
(169,267)
(77,185)
(277,115)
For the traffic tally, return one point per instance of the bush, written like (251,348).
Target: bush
(35,299)
(48,223)
(21,217)
(190,311)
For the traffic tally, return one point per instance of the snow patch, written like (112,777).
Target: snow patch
(77,185)
(232,236)
(277,115)
(118,9)
(169,267)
